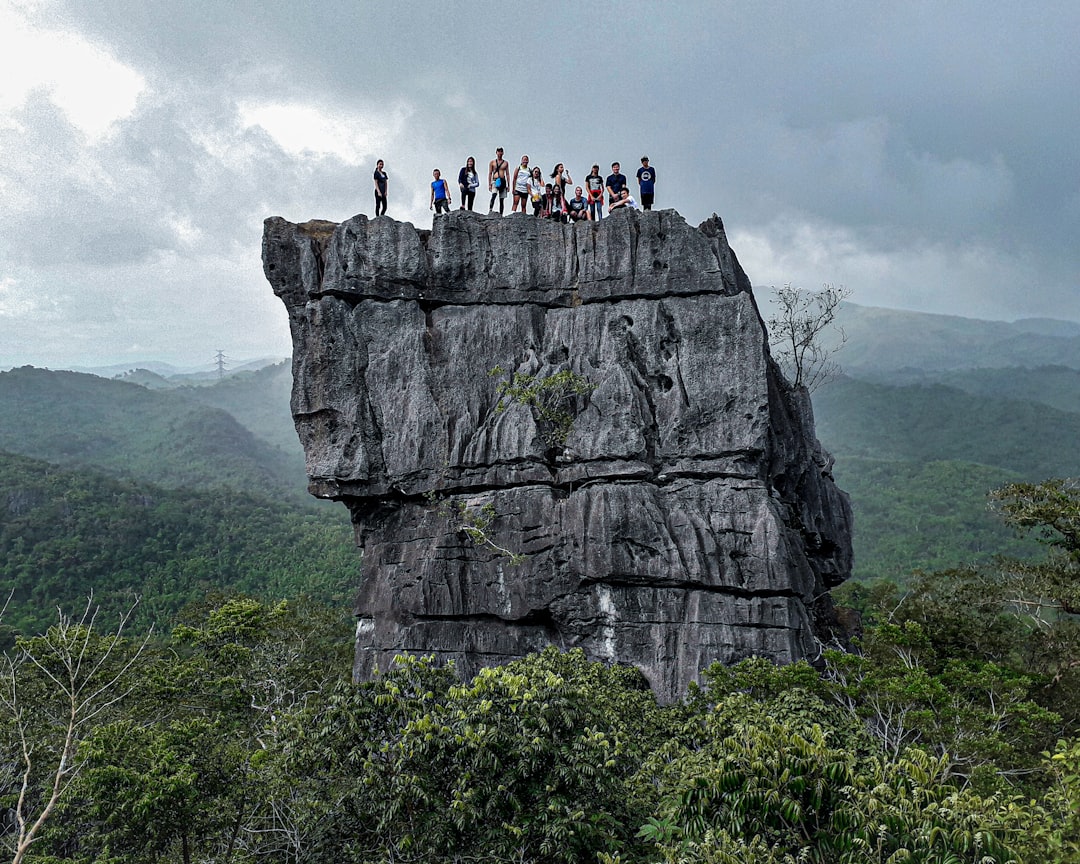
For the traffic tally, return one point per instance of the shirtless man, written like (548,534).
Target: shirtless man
(498,180)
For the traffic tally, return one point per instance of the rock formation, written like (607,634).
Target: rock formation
(688,514)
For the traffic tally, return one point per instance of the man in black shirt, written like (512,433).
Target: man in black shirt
(616,182)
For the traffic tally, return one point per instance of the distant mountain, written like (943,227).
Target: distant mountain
(933,422)
(1056,386)
(206,371)
(889,340)
(259,400)
(163,437)
(933,412)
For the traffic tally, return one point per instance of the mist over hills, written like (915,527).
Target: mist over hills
(164,437)
(891,340)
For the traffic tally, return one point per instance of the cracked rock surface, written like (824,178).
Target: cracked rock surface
(689,516)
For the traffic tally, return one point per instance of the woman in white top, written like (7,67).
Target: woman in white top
(521,185)
(536,191)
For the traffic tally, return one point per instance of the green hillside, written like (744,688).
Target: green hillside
(1056,386)
(930,423)
(162,437)
(925,516)
(65,532)
(258,400)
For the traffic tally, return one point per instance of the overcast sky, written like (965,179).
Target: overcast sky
(924,155)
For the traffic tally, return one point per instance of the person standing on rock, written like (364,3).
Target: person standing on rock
(562,178)
(616,182)
(521,184)
(646,178)
(440,193)
(594,188)
(380,189)
(498,180)
(537,193)
(468,180)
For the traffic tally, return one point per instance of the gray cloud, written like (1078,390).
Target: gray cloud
(921,154)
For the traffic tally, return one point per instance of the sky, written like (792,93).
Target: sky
(921,154)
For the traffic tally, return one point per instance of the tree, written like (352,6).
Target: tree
(57,689)
(795,333)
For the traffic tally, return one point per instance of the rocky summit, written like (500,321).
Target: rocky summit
(568,435)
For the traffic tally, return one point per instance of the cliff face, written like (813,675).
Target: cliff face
(689,515)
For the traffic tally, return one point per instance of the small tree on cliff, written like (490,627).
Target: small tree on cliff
(795,333)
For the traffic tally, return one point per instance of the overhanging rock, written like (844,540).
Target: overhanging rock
(689,515)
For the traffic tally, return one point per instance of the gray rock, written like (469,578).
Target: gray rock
(689,515)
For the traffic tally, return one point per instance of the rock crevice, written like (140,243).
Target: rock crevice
(690,515)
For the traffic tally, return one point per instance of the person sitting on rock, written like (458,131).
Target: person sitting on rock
(625,200)
(577,208)
(556,206)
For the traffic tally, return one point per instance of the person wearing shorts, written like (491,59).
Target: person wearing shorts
(521,185)
(498,180)
(440,193)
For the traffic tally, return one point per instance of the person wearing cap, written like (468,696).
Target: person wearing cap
(646,180)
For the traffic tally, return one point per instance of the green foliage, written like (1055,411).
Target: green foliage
(65,533)
(523,763)
(240,742)
(475,523)
(925,516)
(783,790)
(552,398)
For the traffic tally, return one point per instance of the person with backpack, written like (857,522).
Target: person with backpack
(498,180)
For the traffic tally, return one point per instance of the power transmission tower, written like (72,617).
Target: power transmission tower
(220,359)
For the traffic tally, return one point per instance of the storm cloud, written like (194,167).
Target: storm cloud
(920,154)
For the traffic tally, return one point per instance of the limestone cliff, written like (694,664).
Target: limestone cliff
(689,515)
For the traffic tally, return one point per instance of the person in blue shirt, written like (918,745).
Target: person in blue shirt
(440,193)
(615,183)
(646,178)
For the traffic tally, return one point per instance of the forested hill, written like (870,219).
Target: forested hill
(164,437)
(933,412)
(67,532)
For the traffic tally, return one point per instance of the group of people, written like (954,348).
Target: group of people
(546,198)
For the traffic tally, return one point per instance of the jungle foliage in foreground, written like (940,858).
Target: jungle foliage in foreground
(950,736)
